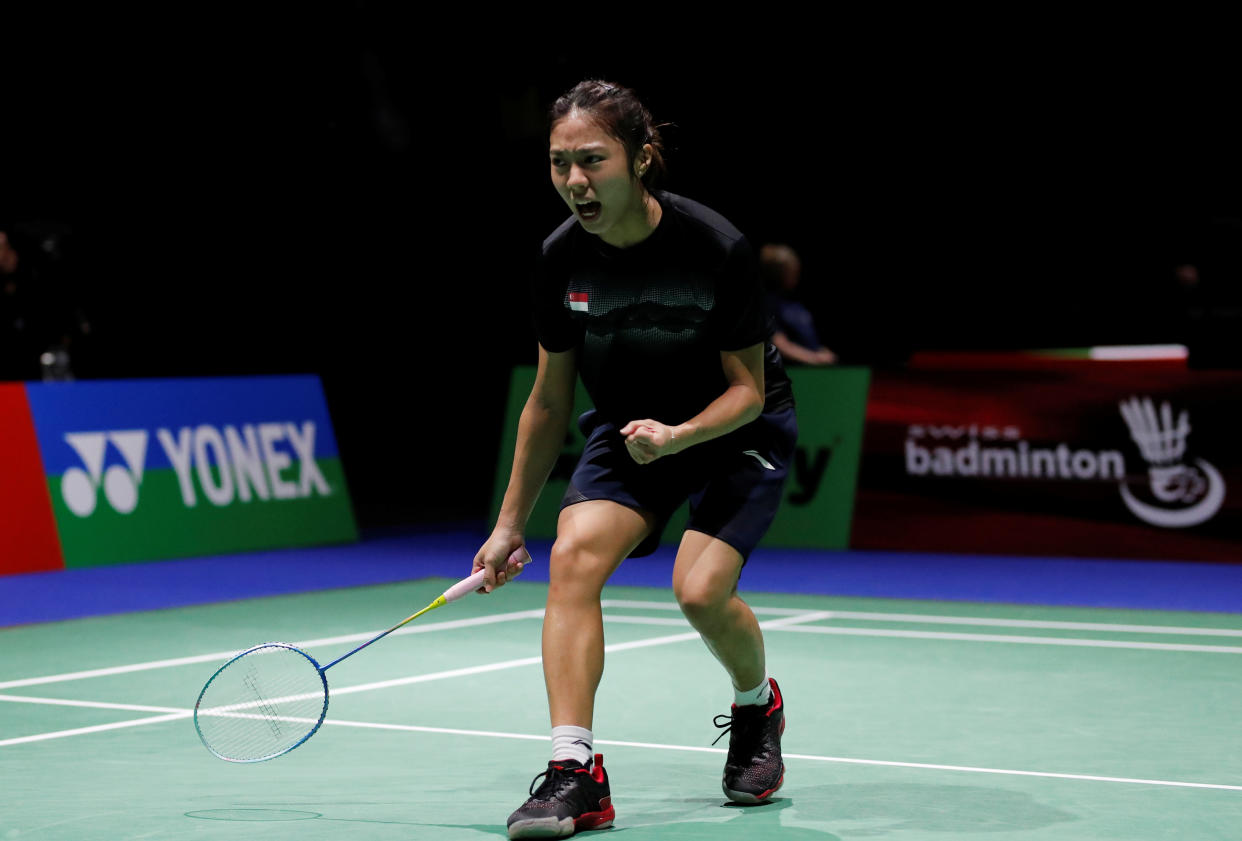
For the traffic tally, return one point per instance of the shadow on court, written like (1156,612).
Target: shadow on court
(711,818)
(876,809)
(823,813)
(851,811)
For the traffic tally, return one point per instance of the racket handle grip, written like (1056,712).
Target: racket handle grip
(466,585)
(461,588)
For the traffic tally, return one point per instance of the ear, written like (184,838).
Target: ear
(642,160)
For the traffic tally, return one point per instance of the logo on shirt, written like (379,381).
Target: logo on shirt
(578,301)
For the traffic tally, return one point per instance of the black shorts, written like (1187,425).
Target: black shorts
(734,483)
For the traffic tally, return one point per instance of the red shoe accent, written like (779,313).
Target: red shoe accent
(776,694)
(597,770)
(597,820)
(768,793)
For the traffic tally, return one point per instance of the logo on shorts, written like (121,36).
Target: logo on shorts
(1183,492)
(759,459)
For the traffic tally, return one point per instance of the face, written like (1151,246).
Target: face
(591,173)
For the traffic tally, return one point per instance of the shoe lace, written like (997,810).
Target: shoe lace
(556,776)
(743,725)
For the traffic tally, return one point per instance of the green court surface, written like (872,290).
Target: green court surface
(906,720)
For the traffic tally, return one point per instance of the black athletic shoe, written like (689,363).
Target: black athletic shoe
(572,797)
(754,768)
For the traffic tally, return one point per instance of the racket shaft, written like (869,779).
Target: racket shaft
(452,594)
(407,620)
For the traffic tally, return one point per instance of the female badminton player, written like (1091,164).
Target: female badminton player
(654,300)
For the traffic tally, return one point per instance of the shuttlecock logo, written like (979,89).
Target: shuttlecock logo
(80,488)
(1184,494)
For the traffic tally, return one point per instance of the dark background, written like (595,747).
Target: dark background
(357,192)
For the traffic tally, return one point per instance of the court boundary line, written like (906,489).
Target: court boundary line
(220,656)
(954,637)
(951,619)
(805,756)
(1020,640)
(789,621)
(769,611)
(495,734)
(810,616)
(96,728)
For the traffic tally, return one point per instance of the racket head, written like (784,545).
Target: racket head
(262,703)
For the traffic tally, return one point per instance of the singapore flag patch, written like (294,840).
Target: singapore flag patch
(578,301)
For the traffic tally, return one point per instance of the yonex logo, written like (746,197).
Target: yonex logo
(253,461)
(244,463)
(80,488)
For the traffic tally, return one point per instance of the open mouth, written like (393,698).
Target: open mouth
(588,211)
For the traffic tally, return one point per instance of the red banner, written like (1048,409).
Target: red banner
(1057,457)
(28,541)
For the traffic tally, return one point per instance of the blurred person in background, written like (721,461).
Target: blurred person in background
(39,322)
(793,325)
(19,322)
(1208,281)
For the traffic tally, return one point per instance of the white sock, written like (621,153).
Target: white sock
(761,694)
(570,742)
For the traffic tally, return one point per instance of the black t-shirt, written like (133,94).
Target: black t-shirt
(649,321)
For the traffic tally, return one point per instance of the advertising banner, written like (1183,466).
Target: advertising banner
(27,530)
(1056,457)
(145,469)
(819,496)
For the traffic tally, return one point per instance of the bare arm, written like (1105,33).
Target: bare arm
(790,349)
(541,433)
(741,403)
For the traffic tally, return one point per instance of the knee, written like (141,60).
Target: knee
(704,606)
(574,571)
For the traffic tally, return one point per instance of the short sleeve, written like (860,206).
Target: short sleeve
(739,317)
(554,327)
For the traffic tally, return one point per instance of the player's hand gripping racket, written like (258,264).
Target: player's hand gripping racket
(269,699)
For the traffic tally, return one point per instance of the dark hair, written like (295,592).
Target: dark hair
(618,111)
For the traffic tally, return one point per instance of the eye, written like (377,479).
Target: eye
(594,159)
(558,162)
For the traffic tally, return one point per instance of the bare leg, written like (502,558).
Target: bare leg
(705,583)
(592,538)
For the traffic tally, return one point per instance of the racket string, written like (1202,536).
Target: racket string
(262,704)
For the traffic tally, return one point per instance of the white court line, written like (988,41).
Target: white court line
(811,757)
(219,656)
(945,635)
(494,734)
(1102,627)
(97,705)
(78,731)
(365,687)
(810,616)
(1014,638)
(937,619)
(758,611)
(762,611)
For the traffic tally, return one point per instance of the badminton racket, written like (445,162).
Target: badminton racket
(271,698)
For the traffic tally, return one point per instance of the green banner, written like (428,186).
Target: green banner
(141,470)
(819,496)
